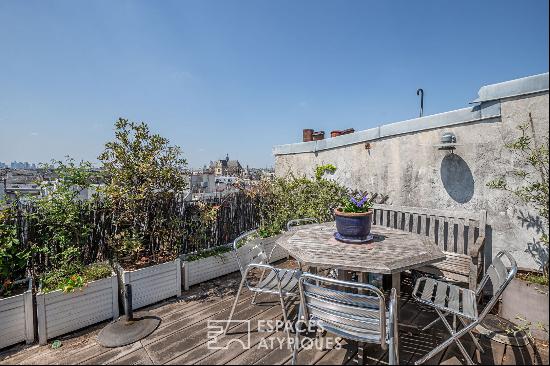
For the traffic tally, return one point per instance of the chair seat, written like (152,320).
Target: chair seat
(446,297)
(359,334)
(455,267)
(289,282)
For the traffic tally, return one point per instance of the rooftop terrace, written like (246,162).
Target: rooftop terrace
(182,337)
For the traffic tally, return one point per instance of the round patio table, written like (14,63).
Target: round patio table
(390,252)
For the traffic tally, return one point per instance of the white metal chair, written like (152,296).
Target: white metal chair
(276,281)
(361,317)
(448,299)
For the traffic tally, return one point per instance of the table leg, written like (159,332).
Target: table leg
(396,284)
(363,278)
(344,276)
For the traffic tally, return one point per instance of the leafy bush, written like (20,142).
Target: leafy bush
(72,277)
(60,220)
(217,251)
(145,176)
(289,198)
(13,258)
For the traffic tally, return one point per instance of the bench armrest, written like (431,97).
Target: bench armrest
(477,247)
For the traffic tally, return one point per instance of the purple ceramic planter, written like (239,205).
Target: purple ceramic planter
(353,226)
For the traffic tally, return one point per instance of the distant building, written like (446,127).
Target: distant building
(226,167)
(21,183)
(202,183)
(22,165)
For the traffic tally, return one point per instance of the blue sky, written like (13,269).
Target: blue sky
(238,77)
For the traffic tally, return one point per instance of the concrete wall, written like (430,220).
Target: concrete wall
(403,163)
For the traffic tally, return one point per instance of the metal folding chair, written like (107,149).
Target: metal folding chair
(361,317)
(275,281)
(461,303)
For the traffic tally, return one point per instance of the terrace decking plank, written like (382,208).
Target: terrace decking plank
(112,355)
(200,349)
(277,356)
(186,337)
(493,355)
(252,356)
(521,356)
(175,322)
(339,356)
(139,357)
(222,357)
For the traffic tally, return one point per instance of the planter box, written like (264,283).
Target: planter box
(17,318)
(152,284)
(529,301)
(59,312)
(206,269)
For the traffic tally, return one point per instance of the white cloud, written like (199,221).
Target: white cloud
(34,133)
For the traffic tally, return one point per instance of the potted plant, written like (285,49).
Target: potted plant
(74,297)
(354,219)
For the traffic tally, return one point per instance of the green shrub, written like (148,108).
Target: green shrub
(13,258)
(72,277)
(217,251)
(290,198)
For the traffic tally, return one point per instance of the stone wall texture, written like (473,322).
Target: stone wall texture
(412,172)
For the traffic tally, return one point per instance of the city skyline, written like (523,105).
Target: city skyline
(241,77)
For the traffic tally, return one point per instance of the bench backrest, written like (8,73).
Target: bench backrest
(453,231)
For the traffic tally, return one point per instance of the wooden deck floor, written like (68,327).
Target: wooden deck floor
(182,338)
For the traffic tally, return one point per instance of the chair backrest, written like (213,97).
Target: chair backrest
(358,316)
(499,276)
(293,223)
(453,231)
(247,254)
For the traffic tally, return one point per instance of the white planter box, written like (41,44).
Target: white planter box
(152,284)
(17,318)
(59,312)
(206,269)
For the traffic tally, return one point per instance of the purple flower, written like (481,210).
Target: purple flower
(359,203)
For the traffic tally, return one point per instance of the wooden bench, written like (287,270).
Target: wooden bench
(459,234)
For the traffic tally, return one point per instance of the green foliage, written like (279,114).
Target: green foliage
(143,171)
(321,170)
(13,258)
(358,203)
(533,189)
(72,277)
(61,216)
(289,198)
(217,251)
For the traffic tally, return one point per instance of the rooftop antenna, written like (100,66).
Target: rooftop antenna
(421,93)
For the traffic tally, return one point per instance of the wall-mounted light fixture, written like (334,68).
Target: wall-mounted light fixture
(447,142)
